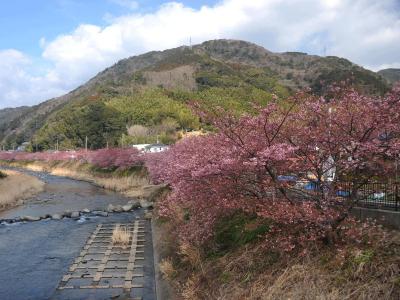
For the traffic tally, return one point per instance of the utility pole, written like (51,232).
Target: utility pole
(86,143)
(36,144)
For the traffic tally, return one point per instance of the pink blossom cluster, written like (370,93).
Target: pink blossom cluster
(103,158)
(347,134)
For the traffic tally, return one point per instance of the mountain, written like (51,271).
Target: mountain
(391,75)
(151,91)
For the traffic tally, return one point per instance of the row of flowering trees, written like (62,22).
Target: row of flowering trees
(348,135)
(104,158)
(353,137)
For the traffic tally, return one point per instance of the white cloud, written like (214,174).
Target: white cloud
(365,31)
(17,84)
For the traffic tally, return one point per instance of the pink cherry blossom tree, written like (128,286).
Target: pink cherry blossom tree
(239,167)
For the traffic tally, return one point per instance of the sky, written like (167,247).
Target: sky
(50,47)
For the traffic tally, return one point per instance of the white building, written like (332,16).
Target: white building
(141,147)
(153,148)
(156,148)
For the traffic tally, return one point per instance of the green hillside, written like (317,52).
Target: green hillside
(391,75)
(145,98)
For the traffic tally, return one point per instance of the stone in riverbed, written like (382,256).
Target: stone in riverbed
(67,213)
(75,214)
(110,208)
(146,204)
(100,213)
(127,207)
(118,208)
(135,203)
(56,217)
(30,218)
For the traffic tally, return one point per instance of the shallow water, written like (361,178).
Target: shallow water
(35,255)
(63,194)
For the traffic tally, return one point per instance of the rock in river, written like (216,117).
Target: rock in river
(110,208)
(146,204)
(118,208)
(135,203)
(127,207)
(56,217)
(75,214)
(30,218)
(100,213)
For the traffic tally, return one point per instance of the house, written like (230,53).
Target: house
(156,148)
(141,147)
(23,146)
(153,148)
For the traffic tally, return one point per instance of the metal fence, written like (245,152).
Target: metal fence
(376,195)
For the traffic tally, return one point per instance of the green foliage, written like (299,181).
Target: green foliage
(139,78)
(164,112)
(232,75)
(151,108)
(365,81)
(237,230)
(226,277)
(100,123)
(174,59)
(217,74)
(364,257)
(354,261)
(237,100)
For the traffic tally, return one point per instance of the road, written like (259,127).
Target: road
(52,259)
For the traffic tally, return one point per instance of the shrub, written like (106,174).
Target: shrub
(237,230)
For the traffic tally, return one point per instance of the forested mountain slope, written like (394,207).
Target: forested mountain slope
(144,98)
(391,75)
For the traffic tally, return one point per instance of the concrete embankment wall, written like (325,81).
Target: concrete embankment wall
(384,217)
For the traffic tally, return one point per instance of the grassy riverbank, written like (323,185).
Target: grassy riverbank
(15,187)
(237,265)
(133,182)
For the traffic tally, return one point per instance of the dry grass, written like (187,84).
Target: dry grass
(17,187)
(122,184)
(354,271)
(296,282)
(137,186)
(190,254)
(180,77)
(167,268)
(309,281)
(121,236)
